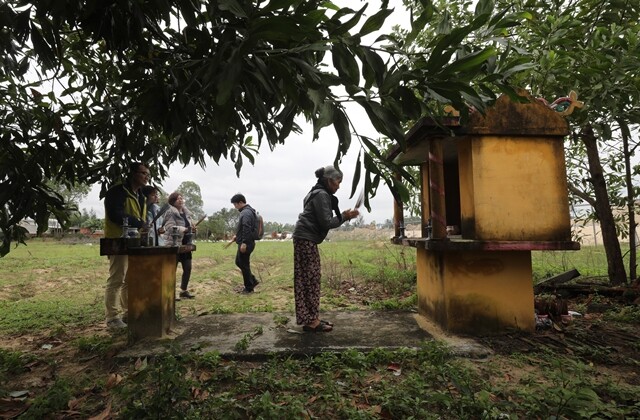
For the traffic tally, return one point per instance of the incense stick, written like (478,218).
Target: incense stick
(360,199)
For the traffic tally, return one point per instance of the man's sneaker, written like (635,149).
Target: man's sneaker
(255,282)
(245,291)
(186,295)
(116,324)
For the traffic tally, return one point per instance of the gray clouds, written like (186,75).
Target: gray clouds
(277,183)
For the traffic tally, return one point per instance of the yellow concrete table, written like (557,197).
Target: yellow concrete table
(151,281)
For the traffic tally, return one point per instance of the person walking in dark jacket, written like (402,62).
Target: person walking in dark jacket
(246,242)
(311,229)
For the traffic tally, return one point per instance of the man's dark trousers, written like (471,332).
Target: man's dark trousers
(243,261)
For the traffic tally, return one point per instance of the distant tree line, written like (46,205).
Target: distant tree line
(220,225)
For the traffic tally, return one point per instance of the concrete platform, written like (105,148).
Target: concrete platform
(255,336)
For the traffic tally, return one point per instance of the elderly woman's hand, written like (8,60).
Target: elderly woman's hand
(350,214)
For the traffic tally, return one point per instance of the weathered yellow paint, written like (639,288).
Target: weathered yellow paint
(476,292)
(467,210)
(151,280)
(514,189)
(424,198)
(511,188)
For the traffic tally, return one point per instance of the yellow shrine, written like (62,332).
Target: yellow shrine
(492,191)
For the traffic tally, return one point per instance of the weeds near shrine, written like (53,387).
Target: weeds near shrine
(427,383)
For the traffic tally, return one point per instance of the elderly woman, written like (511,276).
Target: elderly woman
(312,227)
(179,217)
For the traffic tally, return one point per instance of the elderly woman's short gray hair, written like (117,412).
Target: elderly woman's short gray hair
(329,172)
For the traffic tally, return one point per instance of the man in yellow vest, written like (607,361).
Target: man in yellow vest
(123,204)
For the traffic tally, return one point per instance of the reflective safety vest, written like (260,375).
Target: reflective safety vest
(131,208)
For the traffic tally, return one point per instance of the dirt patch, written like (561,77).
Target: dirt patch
(612,347)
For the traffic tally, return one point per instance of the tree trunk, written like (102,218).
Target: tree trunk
(615,264)
(630,203)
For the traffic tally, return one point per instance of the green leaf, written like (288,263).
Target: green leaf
(356,174)
(287,120)
(228,80)
(238,165)
(446,46)
(418,25)
(247,154)
(392,79)
(43,50)
(484,7)
(375,63)
(471,61)
(317,97)
(411,106)
(375,22)
(346,65)
(372,147)
(382,119)
(324,118)
(275,29)
(311,74)
(472,97)
(232,6)
(345,27)
(517,68)
(341,125)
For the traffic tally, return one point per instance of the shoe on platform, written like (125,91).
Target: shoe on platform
(321,327)
(116,324)
(186,295)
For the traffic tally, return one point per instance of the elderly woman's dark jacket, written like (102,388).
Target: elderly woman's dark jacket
(318,215)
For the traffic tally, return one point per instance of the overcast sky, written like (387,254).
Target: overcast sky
(279,180)
(276,184)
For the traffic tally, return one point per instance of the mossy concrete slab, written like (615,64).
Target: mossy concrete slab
(260,335)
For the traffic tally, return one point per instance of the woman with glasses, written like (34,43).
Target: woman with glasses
(124,205)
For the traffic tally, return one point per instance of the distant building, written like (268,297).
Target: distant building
(54,228)
(589,232)
(30,225)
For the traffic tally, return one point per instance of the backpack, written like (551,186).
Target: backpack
(258,226)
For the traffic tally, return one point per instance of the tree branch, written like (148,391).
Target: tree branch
(582,195)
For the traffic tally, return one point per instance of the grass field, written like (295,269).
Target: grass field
(50,284)
(56,357)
